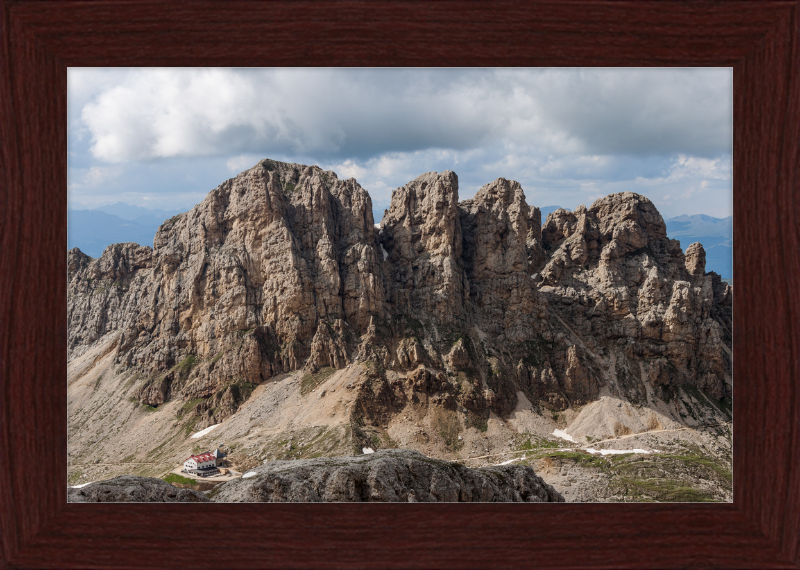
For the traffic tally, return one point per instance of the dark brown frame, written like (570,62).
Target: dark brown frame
(38,529)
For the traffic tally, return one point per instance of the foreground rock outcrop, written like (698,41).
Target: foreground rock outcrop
(391,475)
(386,476)
(457,305)
(132,489)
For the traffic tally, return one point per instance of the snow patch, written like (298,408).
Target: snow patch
(509,461)
(366,450)
(618,451)
(385,255)
(249,474)
(563,435)
(203,432)
(82,485)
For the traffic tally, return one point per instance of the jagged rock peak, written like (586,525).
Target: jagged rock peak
(281,268)
(695,259)
(623,210)
(498,218)
(423,216)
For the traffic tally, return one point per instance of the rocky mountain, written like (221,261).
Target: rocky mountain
(466,309)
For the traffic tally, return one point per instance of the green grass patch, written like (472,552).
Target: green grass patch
(662,490)
(189,427)
(311,381)
(696,459)
(528,442)
(585,459)
(525,445)
(188,406)
(173,478)
(184,367)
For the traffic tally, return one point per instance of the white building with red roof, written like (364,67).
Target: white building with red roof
(201,461)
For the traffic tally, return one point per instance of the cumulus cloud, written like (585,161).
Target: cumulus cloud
(166,137)
(147,114)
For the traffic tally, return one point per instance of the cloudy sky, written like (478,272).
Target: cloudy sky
(163,138)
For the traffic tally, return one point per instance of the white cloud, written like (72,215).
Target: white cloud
(92,176)
(692,167)
(240,163)
(145,114)
(566,135)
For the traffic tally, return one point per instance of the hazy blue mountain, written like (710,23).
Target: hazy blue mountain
(137,214)
(92,231)
(716,235)
(547,210)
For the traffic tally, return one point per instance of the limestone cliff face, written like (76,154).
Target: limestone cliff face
(282,268)
(628,292)
(421,235)
(275,269)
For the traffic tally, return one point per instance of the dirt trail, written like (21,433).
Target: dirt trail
(585,447)
(113,464)
(656,431)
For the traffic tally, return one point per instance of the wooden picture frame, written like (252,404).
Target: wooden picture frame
(40,39)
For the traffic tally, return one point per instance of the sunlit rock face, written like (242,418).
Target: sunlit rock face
(281,268)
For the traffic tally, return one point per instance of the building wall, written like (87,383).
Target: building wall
(193,464)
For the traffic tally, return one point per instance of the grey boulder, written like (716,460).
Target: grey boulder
(390,475)
(132,489)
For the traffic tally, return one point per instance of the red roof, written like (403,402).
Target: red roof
(202,458)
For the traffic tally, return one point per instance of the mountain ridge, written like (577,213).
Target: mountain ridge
(459,312)
(92,236)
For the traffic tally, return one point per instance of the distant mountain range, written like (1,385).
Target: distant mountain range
(716,235)
(94,230)
(138,214)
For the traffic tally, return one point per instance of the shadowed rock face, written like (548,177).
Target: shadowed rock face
(282,268)
(391,475)
(132,489)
